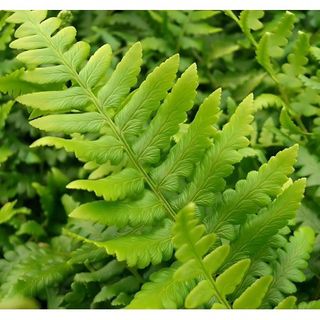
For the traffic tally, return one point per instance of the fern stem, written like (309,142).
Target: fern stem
(171,212)
(208,276)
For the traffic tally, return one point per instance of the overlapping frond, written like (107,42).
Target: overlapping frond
(201,259)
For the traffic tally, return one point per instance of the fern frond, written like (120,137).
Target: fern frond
(310,167)
(101,150)
(163,291)
(141,248)
(30,269)
(191,247)
(8,211)
(260,229)
(190,148)
(199,261)
(135,129)
(116,291)
(296,62)
(126,183)
(4,112)
(292,260)
(280,34)
(254,192)
(263,54)
(119,213)
(218,162)
(249,20)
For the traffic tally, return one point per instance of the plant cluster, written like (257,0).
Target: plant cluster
(171,184)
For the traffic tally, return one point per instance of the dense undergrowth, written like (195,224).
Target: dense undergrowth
(186,180)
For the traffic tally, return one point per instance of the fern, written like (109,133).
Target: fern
(254,192)
(4,112)
(192,245)
(163,291)
(145,148)
(309,167)
(30,269)
(165,213)
(292,261)
(8,211)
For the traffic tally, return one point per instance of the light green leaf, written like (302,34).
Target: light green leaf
(126,183)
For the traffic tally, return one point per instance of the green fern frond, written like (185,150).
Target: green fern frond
(117,291)
(292,260)
(14,84)
(4,112)
(263,54)
(249,20)
(309,305)
(29,269)
(8,211)
(310,167)
(195,250)
(190,148)
(163,291)
(191,246)
(260,229)
(218,162)
(162,177)
(267,100)
(254,192)
(280,34)
(119,213)
(296,62)
(135,130)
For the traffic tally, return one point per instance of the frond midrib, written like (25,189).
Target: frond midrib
(209,278)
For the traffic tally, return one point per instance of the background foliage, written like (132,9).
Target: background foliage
(274,54)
